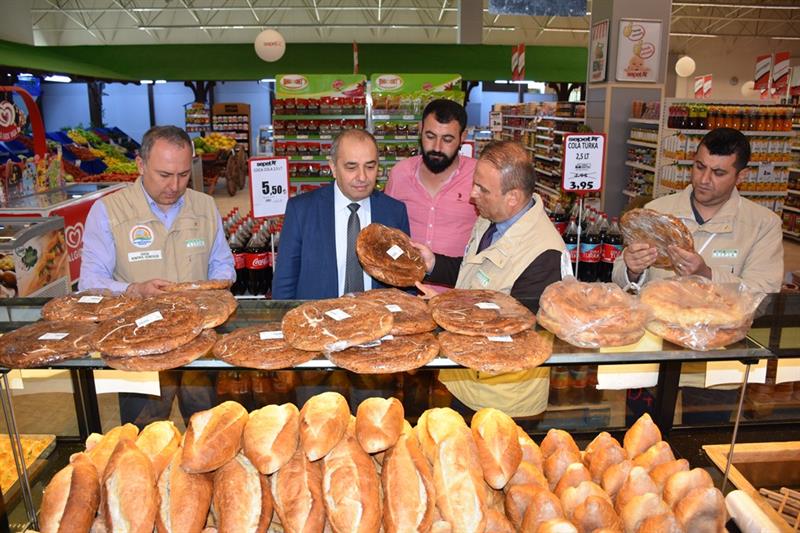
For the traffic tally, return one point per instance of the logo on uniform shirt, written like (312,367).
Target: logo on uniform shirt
(141,236)
(195,243)
(725,253)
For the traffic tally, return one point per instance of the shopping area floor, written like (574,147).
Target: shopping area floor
(54,412)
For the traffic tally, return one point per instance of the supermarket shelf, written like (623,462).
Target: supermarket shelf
(396,117)
(319,117)
(763,193)
(792,209)
(640,166)
(634,142)
(281,137)
(540,145)
(530,149)
(544,137)
(306,157)
(563,132)
(543,128)
(515,128)
(631,194)
(395,137)
(750,164)
(520,116)
(748,133)
(793,191)
(565,119)
(546,158)
(652,121)
(794,169)
(545,172)
(791,234)
(547,189)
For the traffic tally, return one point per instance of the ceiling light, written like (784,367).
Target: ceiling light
(785,38)
(24,76)
(145,82)
(159,82)
(58,78)
(705,35)
(267,80)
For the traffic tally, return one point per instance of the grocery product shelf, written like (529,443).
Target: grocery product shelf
(651,121)
(791,209)
(640,166)
(547,189)
(332,116)
(396,117)
(565,119)
(645,144)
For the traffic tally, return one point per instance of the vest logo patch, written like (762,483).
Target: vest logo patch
(195,243)
(726,253)
(141,236)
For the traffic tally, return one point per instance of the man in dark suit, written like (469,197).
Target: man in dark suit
(316,255)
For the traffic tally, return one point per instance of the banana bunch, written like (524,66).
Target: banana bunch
(220,142)
(77,137)
(118,166)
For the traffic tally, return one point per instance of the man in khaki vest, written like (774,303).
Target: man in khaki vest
(514,248)
(148,235)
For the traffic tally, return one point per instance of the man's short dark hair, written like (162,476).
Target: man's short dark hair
(171,134)
(728,141)
(514,164)
(446,111)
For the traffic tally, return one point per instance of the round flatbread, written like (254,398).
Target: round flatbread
(411,314)
(261,347)
(335,324)
(199,285)
(480,312)
(183,355)
(387,355)
(215,306)
(523,351)
(588,336)
(155,326)
(88,306)
(656,229)
(694,301)
(387,255)
(45,343)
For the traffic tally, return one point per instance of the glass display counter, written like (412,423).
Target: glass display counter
(582,407)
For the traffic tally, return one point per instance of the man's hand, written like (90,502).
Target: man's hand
(426,291)
(687,263)
(427,256)
(638,258)
(148,288)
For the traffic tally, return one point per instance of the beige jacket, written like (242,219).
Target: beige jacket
(497,268)
(743,242)
(145,249)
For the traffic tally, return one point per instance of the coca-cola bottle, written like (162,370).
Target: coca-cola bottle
(239,263)
(612,247)
(571,240)
(589,254)
(257,260)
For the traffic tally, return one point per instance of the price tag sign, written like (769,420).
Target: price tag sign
(269,185)
(584,158)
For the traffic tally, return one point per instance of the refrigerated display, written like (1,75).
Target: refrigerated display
(33,257)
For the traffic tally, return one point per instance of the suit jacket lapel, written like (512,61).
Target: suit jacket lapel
(327,242)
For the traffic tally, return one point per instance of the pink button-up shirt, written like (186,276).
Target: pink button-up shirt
(443,222)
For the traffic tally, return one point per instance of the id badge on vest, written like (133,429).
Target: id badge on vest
(150,255)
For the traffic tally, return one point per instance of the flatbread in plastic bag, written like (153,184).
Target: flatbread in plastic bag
(658,230)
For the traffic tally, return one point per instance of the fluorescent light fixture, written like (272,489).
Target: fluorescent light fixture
(267,80)
(567,30)
(703,35)
(145,82)
(24,76)
(58,78)
(785,38)
(159,82)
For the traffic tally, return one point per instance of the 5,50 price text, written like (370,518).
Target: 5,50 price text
(270,190)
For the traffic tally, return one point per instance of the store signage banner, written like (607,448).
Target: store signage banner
(12,120)
(584,160)
(355,57)
(269,185)
(763,68)
(707,82)
(598,47)
(638,50)
(698,86)
(411,83)
(780,73)
(794,84)
(518,62)
(319,85)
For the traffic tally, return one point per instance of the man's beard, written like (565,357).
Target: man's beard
(437,161)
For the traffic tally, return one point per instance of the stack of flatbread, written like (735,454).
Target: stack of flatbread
(488,331)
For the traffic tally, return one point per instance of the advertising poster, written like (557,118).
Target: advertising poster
(702,86)
(698,86)
(598,47)
(763,69)
(638,50)
(794,85)
(780,73)
(318,85)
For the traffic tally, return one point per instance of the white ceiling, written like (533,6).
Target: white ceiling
(97,22)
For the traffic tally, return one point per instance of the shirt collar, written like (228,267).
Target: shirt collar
(504,225)
(155,207)
(340,201)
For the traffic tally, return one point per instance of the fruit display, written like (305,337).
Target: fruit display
(89,147)
(213,143)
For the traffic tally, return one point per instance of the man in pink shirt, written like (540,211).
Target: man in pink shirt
(436,185)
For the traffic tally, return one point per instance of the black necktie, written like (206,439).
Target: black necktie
(486,240)
(353,274)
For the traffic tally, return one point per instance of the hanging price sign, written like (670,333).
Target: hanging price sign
(269,185)
(584,158)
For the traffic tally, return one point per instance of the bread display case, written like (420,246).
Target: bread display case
(582,407)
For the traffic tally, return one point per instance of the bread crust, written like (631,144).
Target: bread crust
(241,497)
(480,312)
(271,436)
(323,422)
(409,498)
(159,441)
(184,499)
(129,500)
(213,437)
(71,499)
(379,422)
(500,454)
(297,495)
(457,476)
(101,451)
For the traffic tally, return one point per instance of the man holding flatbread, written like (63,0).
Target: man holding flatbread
(735,239)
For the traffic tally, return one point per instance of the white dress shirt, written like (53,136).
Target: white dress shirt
(341,214)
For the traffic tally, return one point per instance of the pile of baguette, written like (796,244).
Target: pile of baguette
(321,469)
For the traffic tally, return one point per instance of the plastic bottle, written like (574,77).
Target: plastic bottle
(239,262)
(589,254)
(571,240)
(257,260)
(612,247)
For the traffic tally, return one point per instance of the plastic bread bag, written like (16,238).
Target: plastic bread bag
(697,313)
(592,315)
(658,230)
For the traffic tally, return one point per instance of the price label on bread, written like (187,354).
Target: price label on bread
(55,336)
(90,299)
(149,319)
(394,252)
(270,335)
